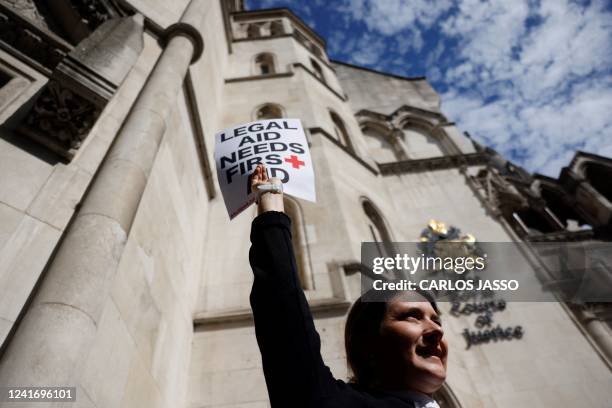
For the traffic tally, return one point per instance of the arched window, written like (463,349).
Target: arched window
(300,243)
(254,30)
(378,229)
(340,131)
(276,28)
(318,71)
(264,64)
(381,144)
(269,111)
(420,145)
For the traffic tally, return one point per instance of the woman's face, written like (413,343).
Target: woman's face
(413,347)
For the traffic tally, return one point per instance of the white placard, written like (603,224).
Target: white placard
(280,144)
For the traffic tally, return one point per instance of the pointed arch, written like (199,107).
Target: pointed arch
(316,51)
(340,131)
(424,138)
(277,28)
(264,64)
(383,143)
(300,242)
(318,71)
(421,144)
(379,228)
(268,111)
(254,30)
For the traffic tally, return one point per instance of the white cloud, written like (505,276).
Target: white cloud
(434,56)
(570,43)
(389,17)
(434,74)
(336,42)
(488,32)
(411,39)
(551,84)
(394,18)
(370,50)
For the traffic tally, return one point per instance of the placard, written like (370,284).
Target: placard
(280,144)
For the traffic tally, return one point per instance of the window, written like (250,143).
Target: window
(378,229)
(318,71)
(382,145)
(420,144)
(264,64)
(316,50)
(269,111)
(276,28)
(340,131)
(300,37)
(254,31)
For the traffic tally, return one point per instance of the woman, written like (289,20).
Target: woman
(395,349)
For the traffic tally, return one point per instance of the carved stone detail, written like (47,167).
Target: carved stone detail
(82,84)
(60,119)
(44,31)
(501,195)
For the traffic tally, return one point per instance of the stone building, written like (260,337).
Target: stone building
(120,272)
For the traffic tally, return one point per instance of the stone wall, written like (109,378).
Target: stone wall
(40,193)
(141,352)
(391,92)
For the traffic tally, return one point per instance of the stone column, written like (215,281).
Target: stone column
(53,339)
(397,142)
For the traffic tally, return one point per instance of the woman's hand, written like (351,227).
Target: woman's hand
(267,201)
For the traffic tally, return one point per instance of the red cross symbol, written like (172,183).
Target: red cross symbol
(295,163)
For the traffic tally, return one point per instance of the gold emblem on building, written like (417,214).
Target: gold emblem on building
(440,240)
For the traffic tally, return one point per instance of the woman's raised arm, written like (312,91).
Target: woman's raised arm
(290,347)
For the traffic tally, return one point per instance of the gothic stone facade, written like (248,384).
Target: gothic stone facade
(121,274)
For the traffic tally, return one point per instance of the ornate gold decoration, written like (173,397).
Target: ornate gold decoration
(440,240)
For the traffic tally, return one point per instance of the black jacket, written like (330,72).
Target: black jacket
(289,343)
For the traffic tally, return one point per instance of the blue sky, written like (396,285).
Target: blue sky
(530,78)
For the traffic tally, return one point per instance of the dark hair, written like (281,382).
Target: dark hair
(362,329)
